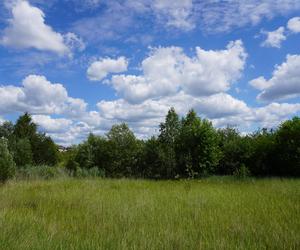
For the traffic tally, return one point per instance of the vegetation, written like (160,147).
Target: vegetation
(56,200)
(211,213)
(187,147)
(7,165)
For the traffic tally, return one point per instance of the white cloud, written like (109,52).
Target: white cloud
(51,125)
(151,112)
(46,100)
(274,38)
(184,15)
(273,114)
(260,83)
(27,29)
(167,70)
(39,96)
(294,24)
(223,16)
(99,70)
(175,13)
(284,83)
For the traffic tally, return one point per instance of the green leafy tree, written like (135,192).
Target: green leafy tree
(198,146)
(23,153)
(237,151)
(123,151)
(288,148)
(151,159)
(45,151)
(6,129)
(7,164)
(263,157)
(25,127)
(169,132)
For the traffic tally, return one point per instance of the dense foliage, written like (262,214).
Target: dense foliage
(187,147)
(26,145)
(7,165)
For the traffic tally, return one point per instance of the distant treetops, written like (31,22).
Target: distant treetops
(187,147)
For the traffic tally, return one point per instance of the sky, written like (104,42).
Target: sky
(80,66)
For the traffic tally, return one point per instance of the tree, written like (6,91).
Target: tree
(25,127)
(287,151)
(45,151)
(123,150)
(6,129)
(151,162)
(169,132)
(198,146)
(23,153)
(263,157)
(7,164)
(237,151)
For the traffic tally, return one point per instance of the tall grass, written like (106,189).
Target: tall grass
(213,213)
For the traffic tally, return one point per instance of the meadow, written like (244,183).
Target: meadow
(210,213)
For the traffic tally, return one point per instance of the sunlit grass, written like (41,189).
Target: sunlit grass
(213,213)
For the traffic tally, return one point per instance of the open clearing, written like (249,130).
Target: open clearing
(213,213)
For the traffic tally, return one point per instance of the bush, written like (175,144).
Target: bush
(7,164)
(242,172)
(43,172)
(92,172)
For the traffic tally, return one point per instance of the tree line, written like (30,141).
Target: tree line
(187,147)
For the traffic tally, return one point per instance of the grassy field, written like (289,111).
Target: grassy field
(213,213)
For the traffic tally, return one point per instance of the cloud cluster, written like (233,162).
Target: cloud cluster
(39,96)
(211,16)
(46,101)
(294,25)
(177,14)
(223,16)
(99,70)
(276,37)
(27,29)
(284,83)
(167,70)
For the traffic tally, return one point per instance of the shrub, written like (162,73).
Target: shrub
(242,172)
(39,172)
(92,172)
(7,164)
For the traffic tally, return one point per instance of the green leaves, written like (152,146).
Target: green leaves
(7,165)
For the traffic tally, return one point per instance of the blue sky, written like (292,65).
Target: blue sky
(79,66)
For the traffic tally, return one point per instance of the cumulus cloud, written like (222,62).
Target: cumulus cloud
(167,70)
(151,112)
(46,100)
(274,38)
(294,25)
(39,96)
(52,125)
(260,83)
(284,83)
(273,114)
(27,29)
(99,70)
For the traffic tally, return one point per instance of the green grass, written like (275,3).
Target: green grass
(213,213)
